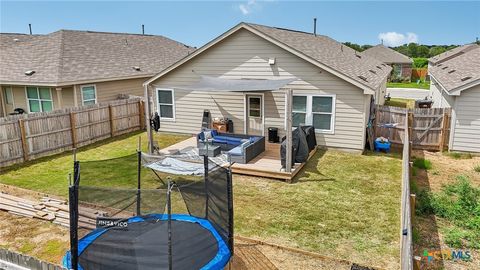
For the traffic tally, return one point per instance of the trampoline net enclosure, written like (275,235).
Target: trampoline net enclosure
(165,212)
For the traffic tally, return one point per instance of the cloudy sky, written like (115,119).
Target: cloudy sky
(197,22)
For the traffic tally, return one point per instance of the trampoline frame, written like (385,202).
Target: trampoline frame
(225,250)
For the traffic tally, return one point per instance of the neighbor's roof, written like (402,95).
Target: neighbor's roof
(458,73)
(66,56)
(325,52)
(452,53)
(387,55)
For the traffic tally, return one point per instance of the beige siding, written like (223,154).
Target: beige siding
(244,55)
(466,135)
(381,92)
(440,98)
(67,97)
(107,91)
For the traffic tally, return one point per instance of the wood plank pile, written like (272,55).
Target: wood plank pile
(50,209)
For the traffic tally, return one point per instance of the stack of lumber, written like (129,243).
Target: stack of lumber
(49,209)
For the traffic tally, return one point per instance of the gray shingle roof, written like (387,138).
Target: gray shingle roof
(68,56)
(458,71)
(452,53)
(387,55)
(363,69)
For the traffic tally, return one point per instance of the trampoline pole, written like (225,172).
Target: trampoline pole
(73,215)
(139,172)
(169,212)
(230,209)
(205,179)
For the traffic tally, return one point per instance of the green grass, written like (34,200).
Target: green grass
(342,205)
(421,85)
(400,102)
(459,205)
(458,155)
(50,174)
(422,163)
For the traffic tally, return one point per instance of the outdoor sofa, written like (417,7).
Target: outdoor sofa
(241,148)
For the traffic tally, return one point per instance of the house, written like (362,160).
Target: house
(39,73)
(401,64)
(455,83)
(333,89)
(438,59)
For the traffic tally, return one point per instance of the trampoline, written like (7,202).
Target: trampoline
(200,239)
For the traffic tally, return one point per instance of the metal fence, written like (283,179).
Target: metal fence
(30,136)
(10,260)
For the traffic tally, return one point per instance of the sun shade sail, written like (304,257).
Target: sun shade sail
(208,83)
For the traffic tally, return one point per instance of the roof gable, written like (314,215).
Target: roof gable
(387,55)
(344,62)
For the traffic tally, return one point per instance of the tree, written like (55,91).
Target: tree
(423,51)
(436,50)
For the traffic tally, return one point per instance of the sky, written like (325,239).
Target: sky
(197,22)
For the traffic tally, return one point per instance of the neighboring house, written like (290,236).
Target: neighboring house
(334,89)
(438,59)
(455,83)
(401,64)
(67,68)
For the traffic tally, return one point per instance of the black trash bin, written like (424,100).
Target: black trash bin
(273,135)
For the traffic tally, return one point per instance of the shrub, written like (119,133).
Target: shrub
(422,163)
(477,168)
(420,62)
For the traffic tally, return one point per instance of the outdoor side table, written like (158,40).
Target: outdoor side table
(210,150)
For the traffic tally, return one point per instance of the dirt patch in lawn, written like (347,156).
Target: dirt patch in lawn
(445,169)
(430,230)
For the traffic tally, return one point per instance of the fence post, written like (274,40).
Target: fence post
(23,135)
(413,198)
(443,131)
(409,122)
(112,124)
(73,130)
(141,114)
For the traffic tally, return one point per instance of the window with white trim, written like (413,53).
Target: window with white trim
(39,99)
(89,94)
(166,104)
(314,110)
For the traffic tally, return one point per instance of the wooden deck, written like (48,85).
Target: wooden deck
(267,164)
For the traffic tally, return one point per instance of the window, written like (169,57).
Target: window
(8,94)
(397,71)
(315,110)
(89,95)
(39,99)
(166,106)
(254,106)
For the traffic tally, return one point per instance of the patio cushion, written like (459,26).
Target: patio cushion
(227,139)
(239,150)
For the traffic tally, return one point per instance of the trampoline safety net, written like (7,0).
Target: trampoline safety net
(150,212)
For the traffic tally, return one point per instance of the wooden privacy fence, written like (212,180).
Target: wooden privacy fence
(30,136)
(407,206)
(10,260)
(429,128)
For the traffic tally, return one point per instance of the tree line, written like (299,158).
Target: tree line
(412,50)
